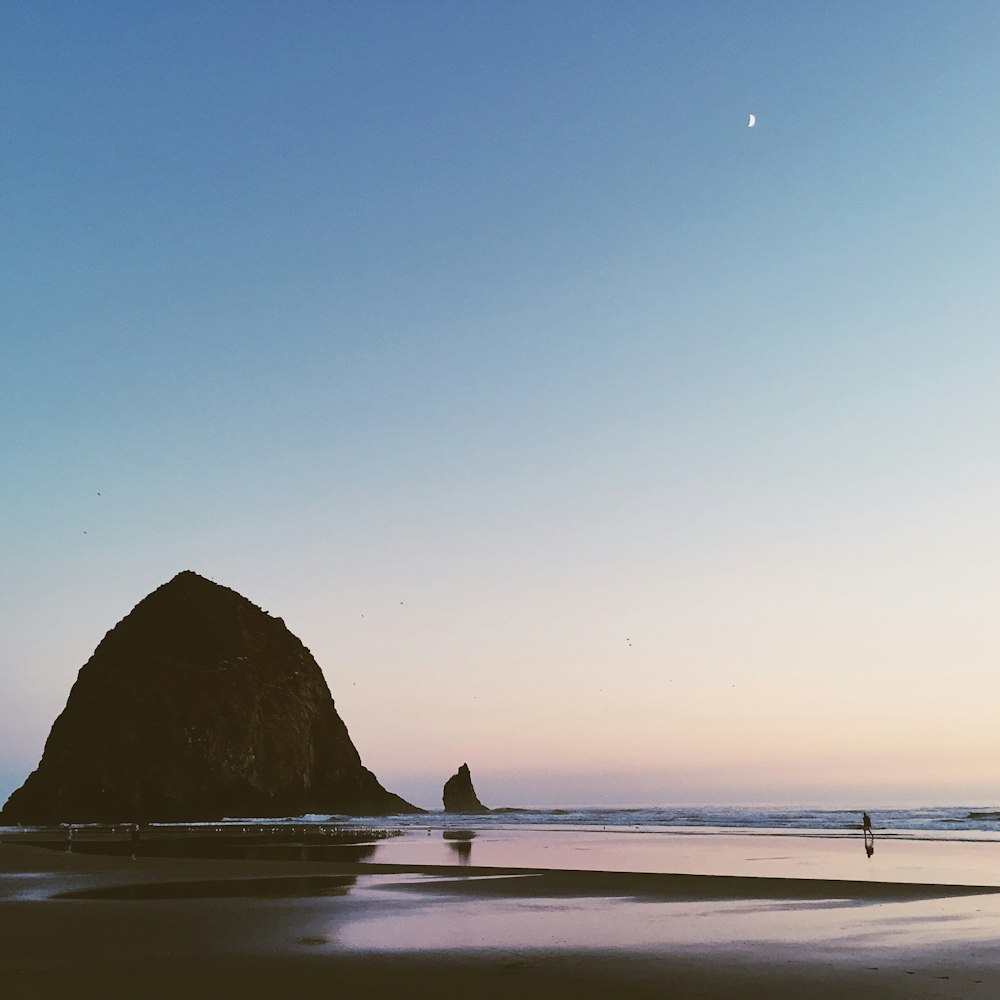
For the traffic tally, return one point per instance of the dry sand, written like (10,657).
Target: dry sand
(74,925)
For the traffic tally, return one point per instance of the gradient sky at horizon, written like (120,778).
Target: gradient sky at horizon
(658,453)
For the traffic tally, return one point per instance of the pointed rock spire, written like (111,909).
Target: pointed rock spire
(459,795)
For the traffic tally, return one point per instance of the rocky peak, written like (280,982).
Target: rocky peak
(460,796)
(197,705)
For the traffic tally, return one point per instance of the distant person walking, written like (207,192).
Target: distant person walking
(866,823)
(866,829)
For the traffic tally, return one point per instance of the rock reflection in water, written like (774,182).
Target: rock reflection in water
(275,844)
(460,841)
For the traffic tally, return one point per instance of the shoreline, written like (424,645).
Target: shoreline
(754,853)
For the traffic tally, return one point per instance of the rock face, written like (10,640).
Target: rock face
(459,795)
(198,705)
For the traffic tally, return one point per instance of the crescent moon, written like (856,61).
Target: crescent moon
(751,121)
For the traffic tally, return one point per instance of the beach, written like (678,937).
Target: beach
(424,914)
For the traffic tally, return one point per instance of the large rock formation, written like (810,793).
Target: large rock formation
(459,795)
(198,705)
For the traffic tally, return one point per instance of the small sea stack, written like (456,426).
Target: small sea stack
(460,796)
(198,705)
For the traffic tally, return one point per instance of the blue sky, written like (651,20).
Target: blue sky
(501,310)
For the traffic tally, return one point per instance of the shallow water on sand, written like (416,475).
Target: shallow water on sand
(415,922)
(947,862)
(476,844)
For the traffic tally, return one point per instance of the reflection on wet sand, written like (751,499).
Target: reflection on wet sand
(248,843)
(460,841)
(869,842)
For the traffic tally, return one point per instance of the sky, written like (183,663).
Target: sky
(658,452)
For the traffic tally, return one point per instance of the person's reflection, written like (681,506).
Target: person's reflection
(460,841)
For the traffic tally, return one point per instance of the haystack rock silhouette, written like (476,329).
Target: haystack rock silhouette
(459,795)
(198,705)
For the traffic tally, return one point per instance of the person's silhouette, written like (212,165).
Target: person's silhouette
(866,822)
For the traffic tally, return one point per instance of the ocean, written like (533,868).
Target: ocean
(933,823)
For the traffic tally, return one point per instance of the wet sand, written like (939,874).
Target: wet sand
(78,925)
